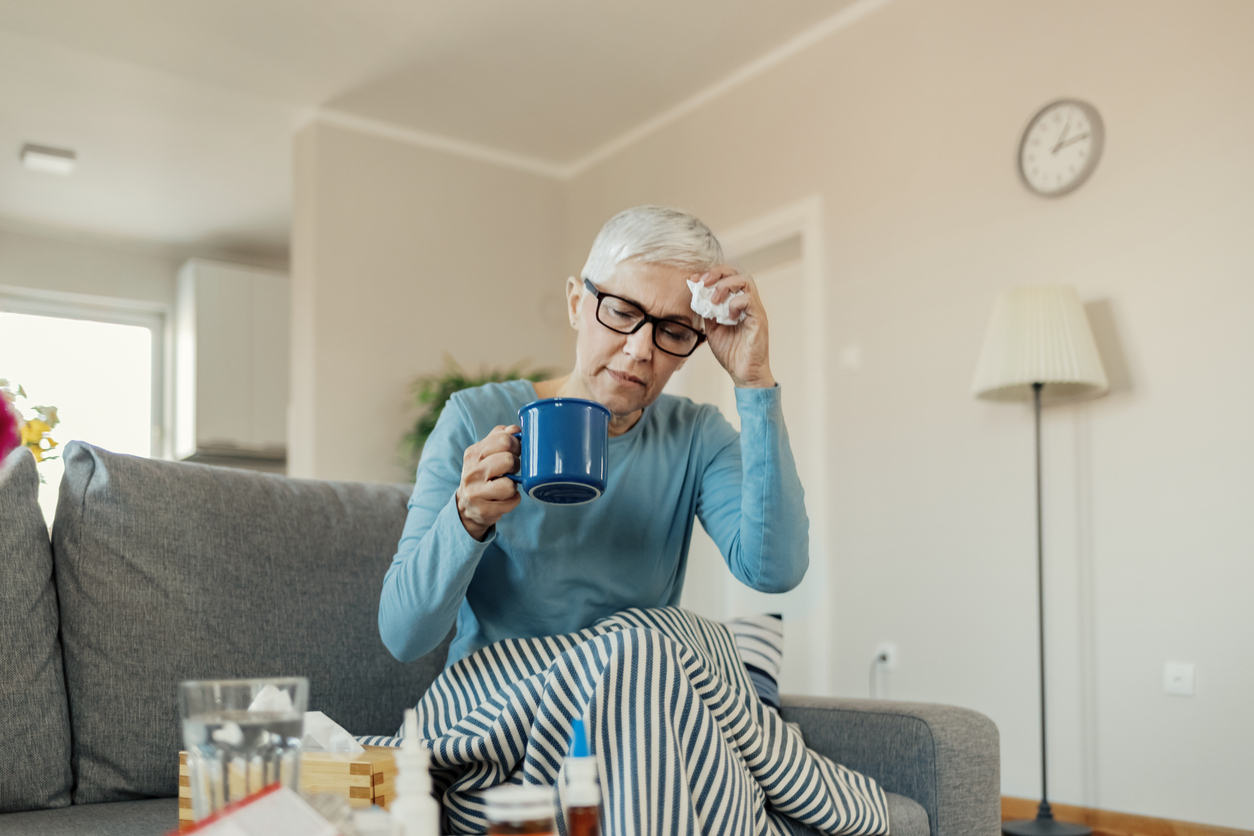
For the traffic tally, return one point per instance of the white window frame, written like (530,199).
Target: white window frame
(155,316)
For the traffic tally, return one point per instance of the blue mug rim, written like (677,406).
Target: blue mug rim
(560,400)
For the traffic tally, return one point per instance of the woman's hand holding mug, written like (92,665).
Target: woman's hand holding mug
(483,497)
(566,461)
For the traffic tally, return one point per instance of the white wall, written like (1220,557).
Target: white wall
(400,255)
(47,262)
(906,124)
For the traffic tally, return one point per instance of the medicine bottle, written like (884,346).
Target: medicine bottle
(583,795)
(414,811)
(521,809)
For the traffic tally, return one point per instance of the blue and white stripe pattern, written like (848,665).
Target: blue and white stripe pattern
(760,640)
(682,741)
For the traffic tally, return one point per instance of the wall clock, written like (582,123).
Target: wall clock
(1060,147)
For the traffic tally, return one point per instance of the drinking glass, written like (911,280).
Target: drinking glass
(241,735)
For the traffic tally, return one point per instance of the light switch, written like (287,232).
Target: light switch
(1178,678)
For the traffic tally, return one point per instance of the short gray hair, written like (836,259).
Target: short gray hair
(652,235)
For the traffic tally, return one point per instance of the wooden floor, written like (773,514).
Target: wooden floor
(1107,823)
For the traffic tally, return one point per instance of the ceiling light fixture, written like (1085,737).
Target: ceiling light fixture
(52,160)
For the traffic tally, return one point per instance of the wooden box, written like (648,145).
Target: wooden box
(365,778)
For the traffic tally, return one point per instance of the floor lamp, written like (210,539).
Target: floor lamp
(1039,338)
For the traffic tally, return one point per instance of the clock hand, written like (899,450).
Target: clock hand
(1065,127)
(1073,139)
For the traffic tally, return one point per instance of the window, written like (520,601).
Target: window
(100,363)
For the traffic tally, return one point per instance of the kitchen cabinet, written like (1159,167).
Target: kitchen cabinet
(232,351)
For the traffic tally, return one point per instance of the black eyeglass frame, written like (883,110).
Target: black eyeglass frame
(600,294)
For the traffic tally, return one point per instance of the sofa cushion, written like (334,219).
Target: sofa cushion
(34,724)
(169,571)
(906,817)
(154,817)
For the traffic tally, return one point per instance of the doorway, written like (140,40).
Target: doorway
(783,252)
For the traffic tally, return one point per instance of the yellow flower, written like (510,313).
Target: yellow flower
(33,431)
(36,434)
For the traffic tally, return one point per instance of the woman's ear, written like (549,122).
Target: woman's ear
(574,295)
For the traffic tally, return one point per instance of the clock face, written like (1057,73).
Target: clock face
(1060,147)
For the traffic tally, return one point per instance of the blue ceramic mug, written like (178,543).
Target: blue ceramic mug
(565,450)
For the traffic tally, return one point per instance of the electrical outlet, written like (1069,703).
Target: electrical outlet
(887,651)
(1178,678)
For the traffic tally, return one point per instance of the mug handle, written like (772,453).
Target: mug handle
(514,477)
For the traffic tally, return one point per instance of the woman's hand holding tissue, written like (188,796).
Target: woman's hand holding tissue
(741,349)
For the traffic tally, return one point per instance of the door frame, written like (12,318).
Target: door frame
(805,218)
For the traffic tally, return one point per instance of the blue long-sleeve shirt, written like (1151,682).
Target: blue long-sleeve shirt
(551,569)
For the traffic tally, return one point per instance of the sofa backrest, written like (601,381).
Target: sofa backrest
(34,726)
(169,571)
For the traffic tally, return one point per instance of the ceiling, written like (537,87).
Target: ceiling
(182,112)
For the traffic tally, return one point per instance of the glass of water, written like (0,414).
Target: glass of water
(241,735)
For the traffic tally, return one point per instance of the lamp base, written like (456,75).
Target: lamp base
(1044,825)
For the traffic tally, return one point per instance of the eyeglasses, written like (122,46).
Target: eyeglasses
(625,317)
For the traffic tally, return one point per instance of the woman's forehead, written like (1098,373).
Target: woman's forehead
(662,288)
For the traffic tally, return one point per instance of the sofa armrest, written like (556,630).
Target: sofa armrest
(945,758)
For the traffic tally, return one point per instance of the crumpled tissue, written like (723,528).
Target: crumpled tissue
(721,313)
(322,734)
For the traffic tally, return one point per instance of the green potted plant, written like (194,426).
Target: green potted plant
(431,393)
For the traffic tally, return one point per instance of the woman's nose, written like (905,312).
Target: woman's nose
(640,344)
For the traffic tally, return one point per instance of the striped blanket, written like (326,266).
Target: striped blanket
(683,742)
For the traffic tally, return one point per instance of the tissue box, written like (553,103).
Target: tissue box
(364,778)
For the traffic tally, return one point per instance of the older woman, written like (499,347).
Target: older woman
(564,612)
(502,566)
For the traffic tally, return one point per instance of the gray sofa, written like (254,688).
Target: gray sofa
(158,572)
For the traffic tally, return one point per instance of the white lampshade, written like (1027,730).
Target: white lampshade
(1039,335)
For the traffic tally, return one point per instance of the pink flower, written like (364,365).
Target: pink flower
(10,437)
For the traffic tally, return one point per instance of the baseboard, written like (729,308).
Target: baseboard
(1108,823)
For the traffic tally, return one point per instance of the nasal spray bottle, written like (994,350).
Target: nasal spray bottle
(583,794)
(414,811)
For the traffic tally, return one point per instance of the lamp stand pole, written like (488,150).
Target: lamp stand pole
(1044,824)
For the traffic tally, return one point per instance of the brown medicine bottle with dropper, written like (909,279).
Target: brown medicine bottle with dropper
(583,794)
(517,810)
